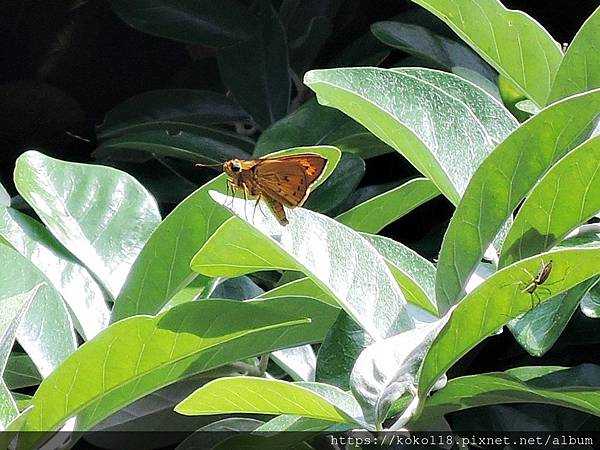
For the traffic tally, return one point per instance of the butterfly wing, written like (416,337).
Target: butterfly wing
(288,179)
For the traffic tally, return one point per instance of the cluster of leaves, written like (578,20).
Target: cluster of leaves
(197,297)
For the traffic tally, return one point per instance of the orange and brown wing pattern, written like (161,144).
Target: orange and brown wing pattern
(289,179)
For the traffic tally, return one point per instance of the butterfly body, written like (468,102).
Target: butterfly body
(279,181)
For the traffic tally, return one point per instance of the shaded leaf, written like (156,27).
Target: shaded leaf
(422,42)
(313,124)
(256,70)
(173,105)
(188,142)
(190,21)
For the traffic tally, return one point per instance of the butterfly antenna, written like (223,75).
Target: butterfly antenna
(209,165)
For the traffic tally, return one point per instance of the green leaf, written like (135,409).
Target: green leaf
(338,352)
(21,372)
(163,267)
(540,328)
(8,406)
(425,43)
(512,42)
(173,105)
(188,142)
(575,388)
(580,66)
(191,21)
(344,180)
(305,48)
(502,181)
(261,396)
(46,331)
(142,354)
(498,300)
(4,197)
(256,70)
(81,293)
(567,196)
(413,273)
(225,428)
(298,362)
(590,304)
(14,307)
(101,215)
(335,257)
(313,124)
(388,370)
(305,287)
(376,213)
(240,288)
(443,125)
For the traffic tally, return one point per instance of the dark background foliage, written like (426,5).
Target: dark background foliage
(65,64)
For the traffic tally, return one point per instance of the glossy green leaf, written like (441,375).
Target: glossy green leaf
(14,307)
(376,213)
(193,22)
(142,354)
(579,70)
(512,42)
(567,196)
(344,180)
(173,105)
(443,125)
(313,124)
(4,197)
(338,352)
(305,287)
(101,215)
(256,70)
(413,273)
(425,43)
(82,294)
(590,304)
(502,181)
(46,331)
(163,267)
(188,142)
(261,396)
(498,300)
(21,372)
(576,387)
(335,257)
(540,328)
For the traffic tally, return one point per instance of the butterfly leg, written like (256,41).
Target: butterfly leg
(277,210)
(256,206)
